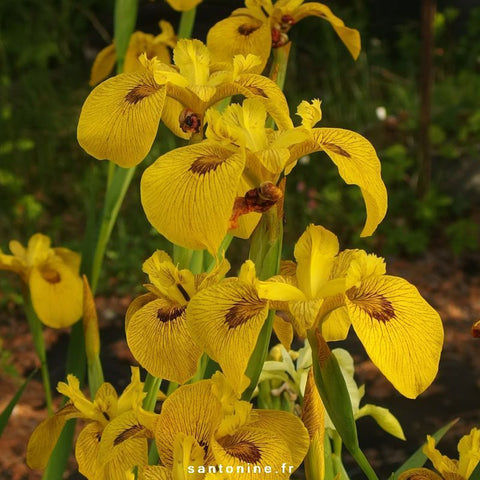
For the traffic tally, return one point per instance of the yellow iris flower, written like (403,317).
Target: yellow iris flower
(140,42)
(119,119)
(461,469)
(206,427)
(196,194)
(51,274)
(263,24)
(401,332)
(113,441)
(170,352)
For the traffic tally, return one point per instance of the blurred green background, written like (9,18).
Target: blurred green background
(46,180)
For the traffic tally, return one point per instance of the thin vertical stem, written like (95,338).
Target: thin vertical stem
(39,343)
(187,20)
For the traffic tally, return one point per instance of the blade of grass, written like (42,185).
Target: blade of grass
(5,415)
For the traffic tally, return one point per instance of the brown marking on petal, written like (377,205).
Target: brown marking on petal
(374,304)
(423,474)
(205,447)
(169,314)
(207,163)
(139,92)
(256,90)
(98,436)
(244,310)
(50,275)
(245,450)
(337,149)
(247,29)
(106,415)
(128,433)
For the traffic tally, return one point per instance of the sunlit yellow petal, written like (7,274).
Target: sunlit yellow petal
(13,264)
(159,340)
(268,92)
(357,164)
(124,442)
(469,452)
(240,35)
(119,119)
(103,65)
(283,331)
(188,194)
(87,447)
(187,455)
(155,472)
(420,474)
(311,113)
(38,249)
(45,436)
(71,389)
(441,462)
(287,426)
(315,252)
(252,447)
(70,259)
(401,332)
(349,36)
(225,321)
(334,319)
(136,304)
(106,400)
(384,418)
(57,294)
(192,57)
(192,410)
(304,314)
(133,395)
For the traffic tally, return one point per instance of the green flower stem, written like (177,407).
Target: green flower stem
(266,252)
(278,70)
(95,375)
(151,386)
(187,20)
(338,467)
(113,201)
(182,256)
(125,18)
(38,341)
